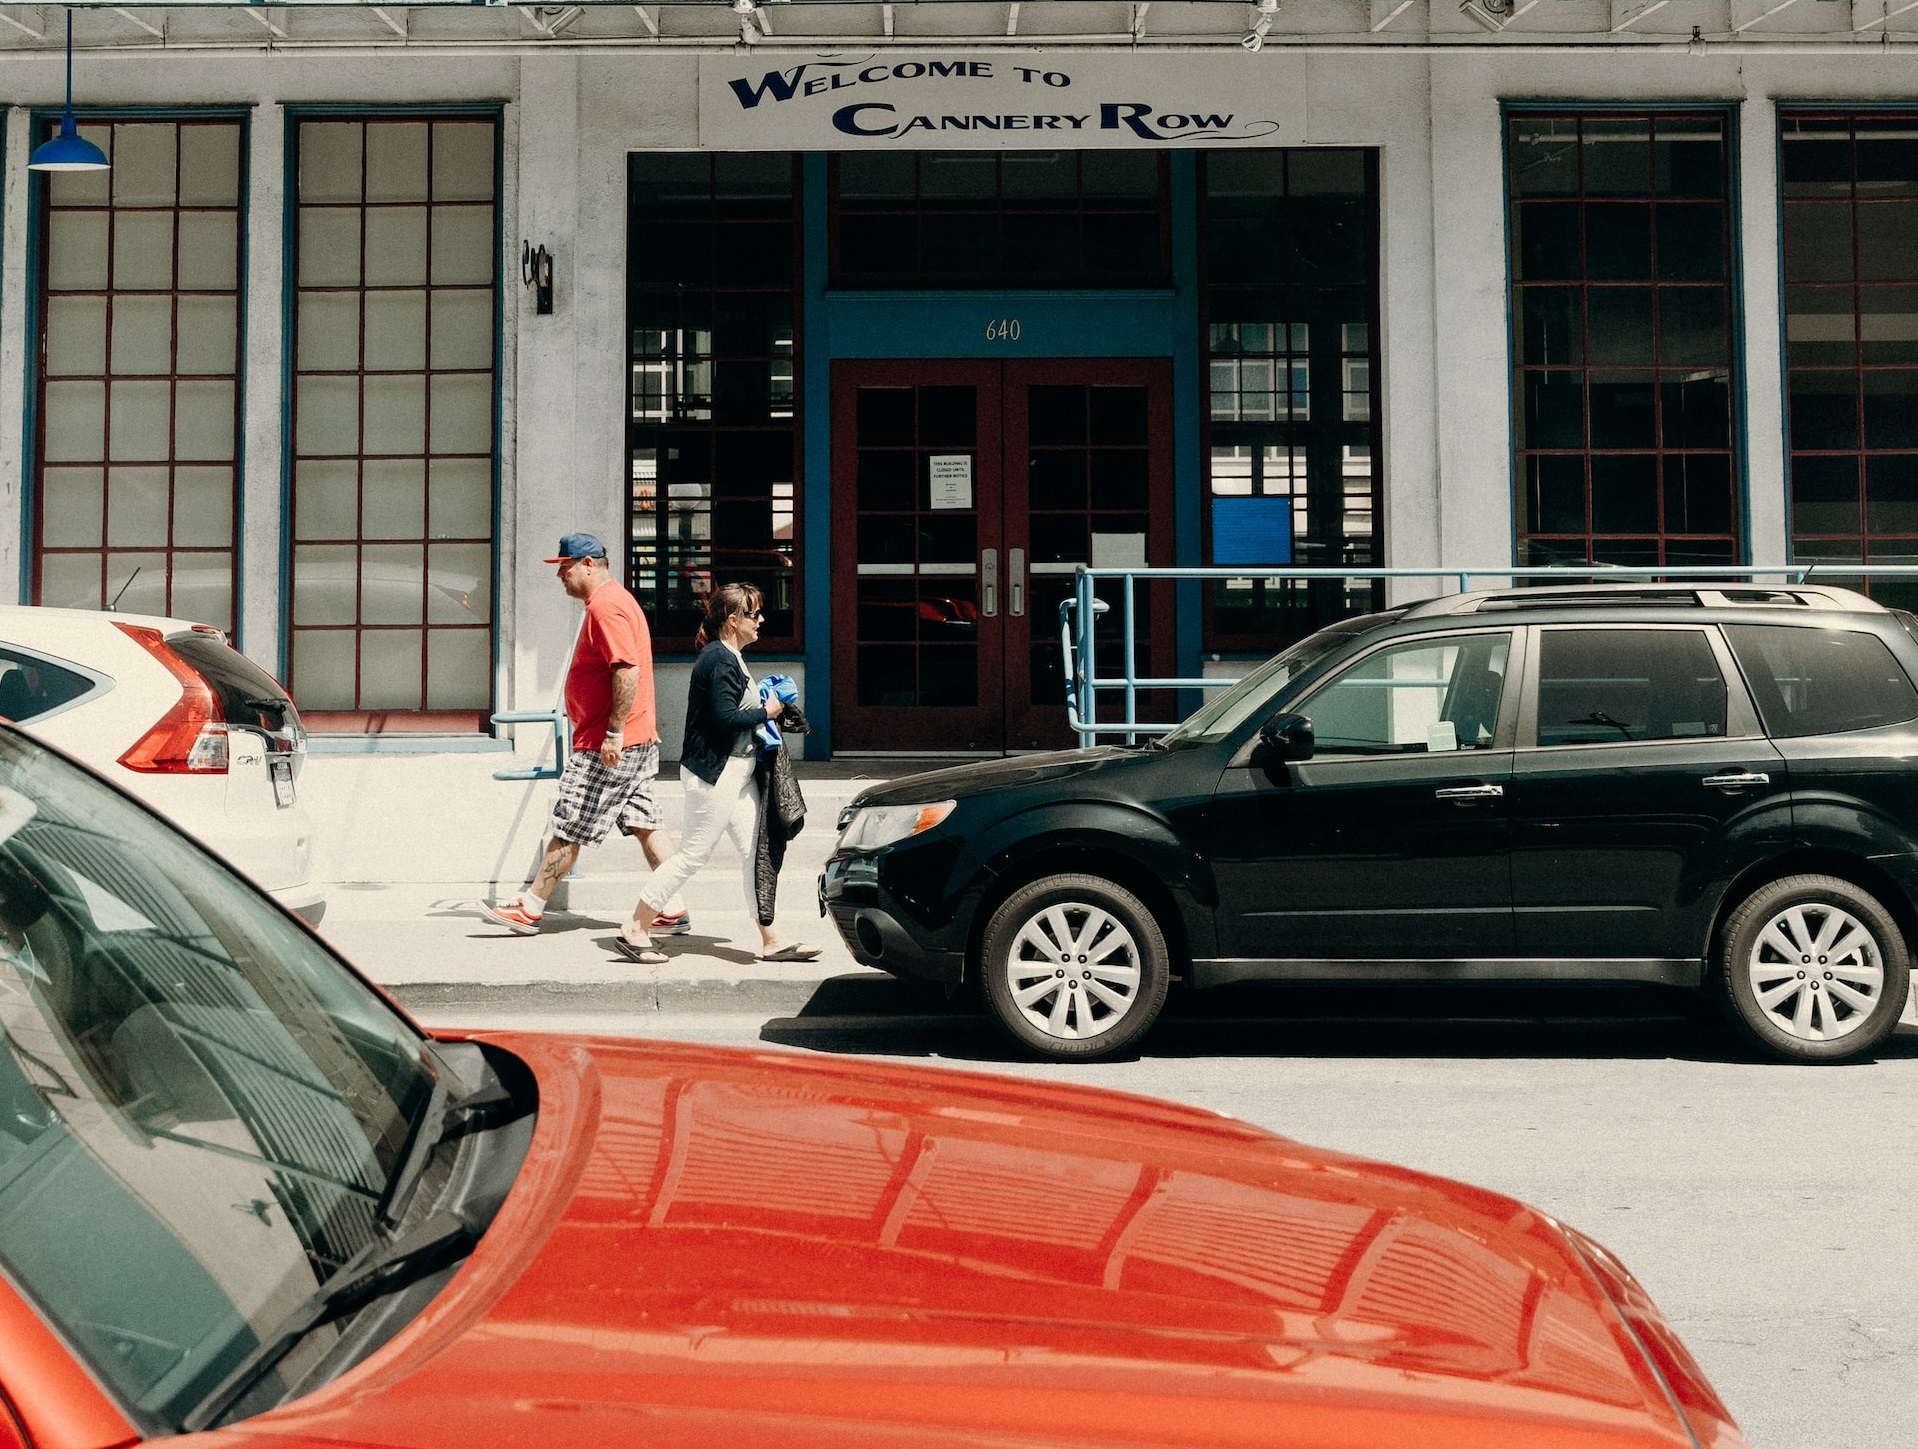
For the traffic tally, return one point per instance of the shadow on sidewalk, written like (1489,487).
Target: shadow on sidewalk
(858,1015)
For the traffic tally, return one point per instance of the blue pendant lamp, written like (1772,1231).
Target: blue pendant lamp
(68,151)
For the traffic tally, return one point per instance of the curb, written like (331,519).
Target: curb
(837,999)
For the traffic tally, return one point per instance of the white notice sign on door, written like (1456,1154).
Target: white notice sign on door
(951,480)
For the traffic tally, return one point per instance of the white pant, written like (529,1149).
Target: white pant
(730,807)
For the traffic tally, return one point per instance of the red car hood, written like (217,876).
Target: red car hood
(721,1248)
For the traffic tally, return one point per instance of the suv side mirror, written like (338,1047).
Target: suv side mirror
(1288,736)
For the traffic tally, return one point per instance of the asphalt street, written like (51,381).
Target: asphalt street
(1772,1211)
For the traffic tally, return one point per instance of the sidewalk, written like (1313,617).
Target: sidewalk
(424,934)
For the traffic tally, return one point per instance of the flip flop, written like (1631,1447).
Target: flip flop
(795,952)
(643,955)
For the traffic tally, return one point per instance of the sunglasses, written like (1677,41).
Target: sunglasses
(756,615)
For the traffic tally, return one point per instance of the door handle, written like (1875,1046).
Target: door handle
(989,582)
(1466,794)
(1737,780)
(1016,582)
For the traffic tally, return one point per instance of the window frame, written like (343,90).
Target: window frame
(1738,443)
(38,294)
(1326,601)
(1741,715)
(1864,539)
(389,721)
(1888,646)
(1518,656)
(838,279)
(669,640)
(99,683)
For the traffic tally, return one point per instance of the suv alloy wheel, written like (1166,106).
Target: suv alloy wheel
(1074,967)
(1814,969)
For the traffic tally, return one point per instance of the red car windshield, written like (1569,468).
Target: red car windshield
(201,1111)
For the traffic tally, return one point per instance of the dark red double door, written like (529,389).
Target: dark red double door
(965,494)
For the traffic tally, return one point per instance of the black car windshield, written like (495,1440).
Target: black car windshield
(1225,712)
(200,1109)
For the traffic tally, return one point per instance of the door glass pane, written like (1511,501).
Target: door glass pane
(1610,686)
(1415,698)
(918,602)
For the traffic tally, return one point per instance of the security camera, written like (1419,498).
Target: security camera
(1252,40)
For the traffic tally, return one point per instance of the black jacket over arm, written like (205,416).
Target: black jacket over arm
(714,717)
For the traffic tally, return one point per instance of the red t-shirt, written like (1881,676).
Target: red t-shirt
(615,633)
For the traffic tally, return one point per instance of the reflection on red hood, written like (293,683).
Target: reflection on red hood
(722,1248)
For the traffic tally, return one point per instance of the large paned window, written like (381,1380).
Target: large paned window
(713,422)
(395,267)
(1291,267)
(999,219)
(1622,322)
(1851,339)
(136,449)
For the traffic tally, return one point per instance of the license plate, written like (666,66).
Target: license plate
(283,782)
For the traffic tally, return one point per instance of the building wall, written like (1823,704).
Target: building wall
(571,118)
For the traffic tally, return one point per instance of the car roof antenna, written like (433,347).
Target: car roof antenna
(124,587)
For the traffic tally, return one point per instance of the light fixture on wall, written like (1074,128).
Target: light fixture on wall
(1254,39)
(1492,15)
(536,271)
(68,151)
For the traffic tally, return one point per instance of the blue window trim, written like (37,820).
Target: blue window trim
(36,318)
(291,116)
(1731,111)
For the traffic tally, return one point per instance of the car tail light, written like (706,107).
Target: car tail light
(190,738)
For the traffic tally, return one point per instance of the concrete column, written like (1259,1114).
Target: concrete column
(553,489)
(257,611)
(1766,502)
(1472,370)
(15,308)
(1408,343)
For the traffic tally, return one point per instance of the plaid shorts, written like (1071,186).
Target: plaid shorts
(593,799)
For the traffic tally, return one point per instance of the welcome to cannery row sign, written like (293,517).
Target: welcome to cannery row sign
(956,100)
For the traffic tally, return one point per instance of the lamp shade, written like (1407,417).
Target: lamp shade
(68,151)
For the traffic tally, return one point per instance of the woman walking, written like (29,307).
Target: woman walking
(716,765)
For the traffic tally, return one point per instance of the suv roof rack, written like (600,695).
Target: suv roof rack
(1675,596)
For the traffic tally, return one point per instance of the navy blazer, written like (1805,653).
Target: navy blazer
(714,716)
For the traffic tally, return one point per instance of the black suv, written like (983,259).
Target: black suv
(1712,787)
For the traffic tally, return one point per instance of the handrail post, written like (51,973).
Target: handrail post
(1131,663)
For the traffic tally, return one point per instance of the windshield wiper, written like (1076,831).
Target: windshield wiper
(380,1268)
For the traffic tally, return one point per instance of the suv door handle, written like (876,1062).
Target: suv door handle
(1465,794)
(1737,780)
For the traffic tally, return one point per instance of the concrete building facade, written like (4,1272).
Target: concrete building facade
(1339,283)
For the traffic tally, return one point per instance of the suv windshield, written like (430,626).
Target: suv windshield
(201,1111)
(1225,712)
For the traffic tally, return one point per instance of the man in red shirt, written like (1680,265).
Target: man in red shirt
(608,780)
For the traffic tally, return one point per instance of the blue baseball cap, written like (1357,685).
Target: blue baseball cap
(579,545)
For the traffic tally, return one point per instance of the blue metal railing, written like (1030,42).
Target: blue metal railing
(556,717)
(1079,614)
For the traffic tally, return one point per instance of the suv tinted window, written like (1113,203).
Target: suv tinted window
(31,686)
(1423,695)
(249,696)
(1821,681)
(1600,686)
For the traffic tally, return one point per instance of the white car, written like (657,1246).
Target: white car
(167,710)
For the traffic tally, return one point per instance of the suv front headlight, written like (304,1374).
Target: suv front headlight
(875,825)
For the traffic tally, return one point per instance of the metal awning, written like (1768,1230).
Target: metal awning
(823,25)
